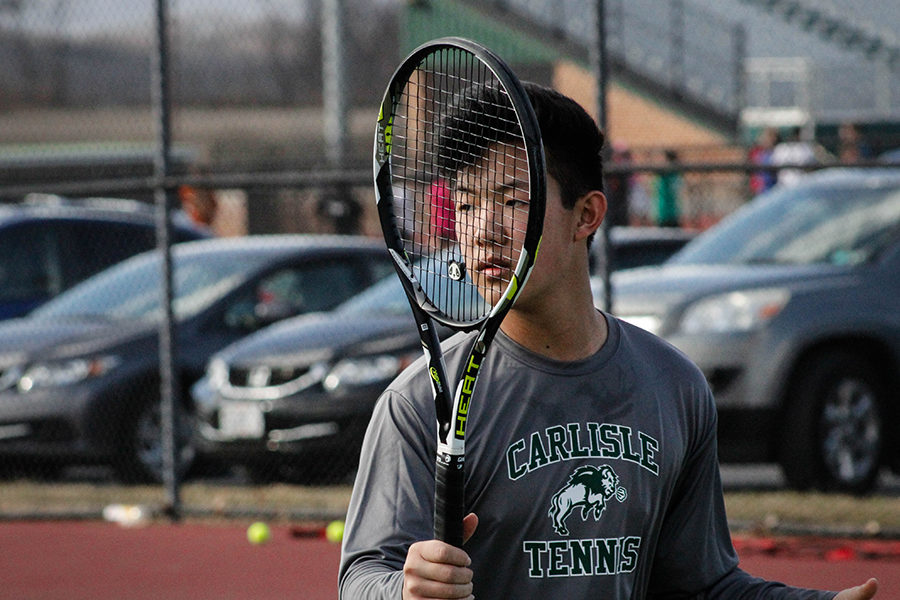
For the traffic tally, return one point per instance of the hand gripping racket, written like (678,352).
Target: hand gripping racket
(460,186)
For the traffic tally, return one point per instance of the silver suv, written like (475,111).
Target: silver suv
(791,307)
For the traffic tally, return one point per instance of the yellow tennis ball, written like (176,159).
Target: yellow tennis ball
(335,531)
(259,533)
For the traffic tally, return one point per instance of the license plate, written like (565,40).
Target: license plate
(241,420)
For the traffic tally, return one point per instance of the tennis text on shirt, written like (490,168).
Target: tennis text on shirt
(590,488)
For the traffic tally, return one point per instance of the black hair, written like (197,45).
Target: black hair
(479,117)
(573,143)
(483,116)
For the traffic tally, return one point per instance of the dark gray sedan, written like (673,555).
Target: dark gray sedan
(293,400)
(791,307)
(79,377)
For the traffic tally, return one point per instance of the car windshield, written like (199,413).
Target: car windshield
(387,296)
(799,226)
(131,290)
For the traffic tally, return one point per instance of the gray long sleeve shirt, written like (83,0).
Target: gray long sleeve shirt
(591,479)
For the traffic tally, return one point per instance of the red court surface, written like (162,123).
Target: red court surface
(80,560)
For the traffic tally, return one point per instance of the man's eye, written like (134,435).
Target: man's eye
(465,202)
(515,202)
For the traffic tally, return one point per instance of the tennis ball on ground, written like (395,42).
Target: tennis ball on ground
(335,531)
(258,533)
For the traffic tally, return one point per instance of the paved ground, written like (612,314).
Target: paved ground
(76,560)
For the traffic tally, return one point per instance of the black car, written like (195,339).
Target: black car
(791,307)
(79,376)
(293,401)
(50,243)
(633,247)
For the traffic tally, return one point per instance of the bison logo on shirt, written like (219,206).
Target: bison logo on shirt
(590,488)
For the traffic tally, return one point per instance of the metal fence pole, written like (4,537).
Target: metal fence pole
(600,67)
(739,37)
(334,81)
(676,47)
(169,389)
(339,204)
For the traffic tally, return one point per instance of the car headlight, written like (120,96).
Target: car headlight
(651,323)
(365,370)
(65,372)
(735,311)
(10,377)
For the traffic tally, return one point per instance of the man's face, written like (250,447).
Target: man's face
(491,203)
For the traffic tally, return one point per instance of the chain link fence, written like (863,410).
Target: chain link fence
(249,156)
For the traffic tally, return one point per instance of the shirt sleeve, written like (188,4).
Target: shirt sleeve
(739,585)
(391,506)
(695,557)
(694,549)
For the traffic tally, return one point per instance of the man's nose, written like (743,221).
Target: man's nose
(490,227)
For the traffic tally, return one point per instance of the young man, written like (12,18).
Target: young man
(591,466)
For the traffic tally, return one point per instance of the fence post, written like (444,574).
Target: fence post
(169,389)
(739,35)
(599,66)
(334,81)
(336,202)
(676,48)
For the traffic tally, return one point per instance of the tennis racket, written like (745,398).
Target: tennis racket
(460,185)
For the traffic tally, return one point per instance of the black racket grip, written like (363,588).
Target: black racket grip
(448,499)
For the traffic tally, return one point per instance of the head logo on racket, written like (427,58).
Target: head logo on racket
(456,270)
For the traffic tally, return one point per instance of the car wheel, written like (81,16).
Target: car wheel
(141,454)
(35,470)
(262,472)
(300,471)
(834,425)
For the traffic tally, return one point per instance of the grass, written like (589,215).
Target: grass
(814,513)
(25,499)
(779,511)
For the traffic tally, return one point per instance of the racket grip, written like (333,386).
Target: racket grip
(448,499)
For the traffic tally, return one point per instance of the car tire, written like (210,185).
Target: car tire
(300,471)
(834,425)
(262,472)
(140,458)
(37,470)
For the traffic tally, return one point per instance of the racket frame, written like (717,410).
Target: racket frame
(452,412)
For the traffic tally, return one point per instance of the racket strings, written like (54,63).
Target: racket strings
(461,184)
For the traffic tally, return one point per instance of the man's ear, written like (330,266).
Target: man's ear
(591,209)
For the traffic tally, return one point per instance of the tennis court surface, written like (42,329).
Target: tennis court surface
(75,560)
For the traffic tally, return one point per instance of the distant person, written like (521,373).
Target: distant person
(668,186)
(640,200)
(793,152)
(618,188)
(199,204)
(761,154)
(852,146)
(443,218)
(343,210)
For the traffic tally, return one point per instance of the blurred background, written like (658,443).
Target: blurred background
(235,120)
(254,89)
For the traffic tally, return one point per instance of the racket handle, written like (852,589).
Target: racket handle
(448,499)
